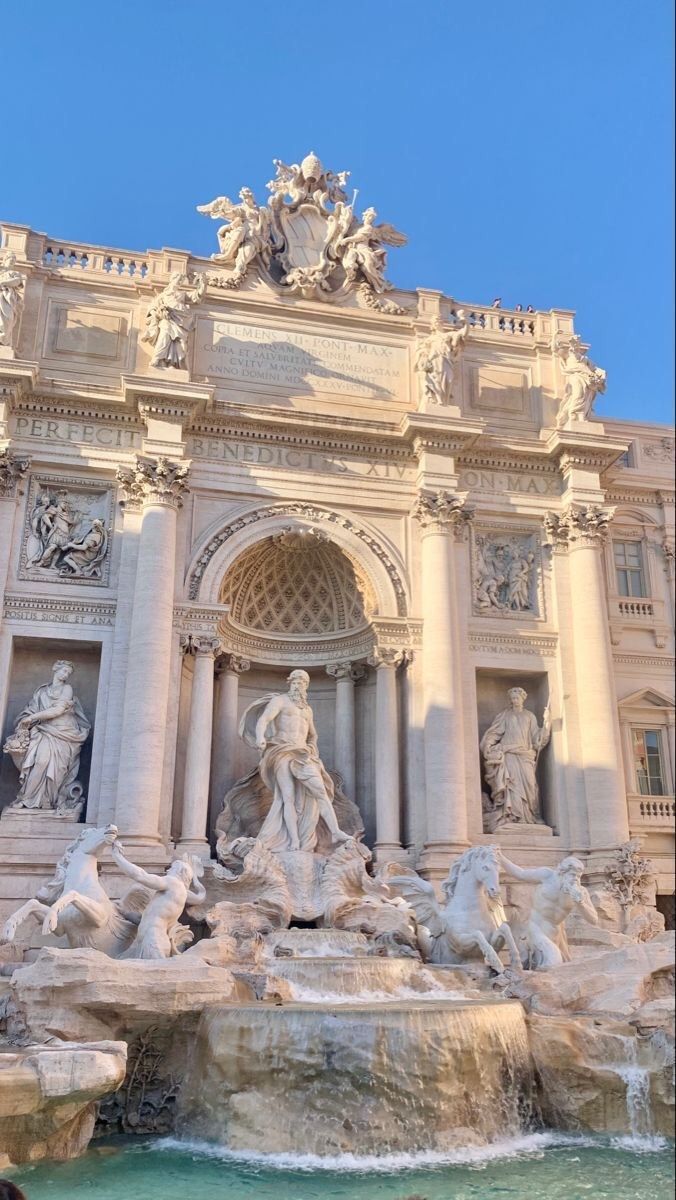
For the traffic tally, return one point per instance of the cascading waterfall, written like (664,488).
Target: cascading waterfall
(367,1078)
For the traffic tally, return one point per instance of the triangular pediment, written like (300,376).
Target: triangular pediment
(647,697)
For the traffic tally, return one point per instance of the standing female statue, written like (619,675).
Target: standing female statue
(45,746)
(11,298)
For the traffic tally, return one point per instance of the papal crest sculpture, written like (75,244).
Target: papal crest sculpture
(307,239)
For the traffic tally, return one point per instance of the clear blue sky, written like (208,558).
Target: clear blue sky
(525,148)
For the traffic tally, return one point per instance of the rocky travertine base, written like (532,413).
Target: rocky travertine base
(48,1097)
(85,995)
(601,1033)
(598,1075)
(618,982)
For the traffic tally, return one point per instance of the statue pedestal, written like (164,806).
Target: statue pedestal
(37,833)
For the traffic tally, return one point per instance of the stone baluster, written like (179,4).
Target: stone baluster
(193,838)
(388,814)
(443,517)
(12,470)
(159,485)
(345,675)
(582,531)
(228,670)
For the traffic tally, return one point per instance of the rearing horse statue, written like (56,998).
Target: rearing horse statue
(472,922)
(74,905)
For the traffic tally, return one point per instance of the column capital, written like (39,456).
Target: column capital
(200,645)
(153,481)
(232,664)
(346,670)
(578,525)
(442,512)
(389,656)
(12,470)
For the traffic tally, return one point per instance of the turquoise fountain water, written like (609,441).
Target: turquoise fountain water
(535,1167)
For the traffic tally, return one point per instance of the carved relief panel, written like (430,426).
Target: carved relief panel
(67,530)
(507,573)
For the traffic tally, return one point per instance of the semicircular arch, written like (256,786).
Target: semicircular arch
(227,540)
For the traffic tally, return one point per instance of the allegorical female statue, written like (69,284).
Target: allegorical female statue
(510,748)
(11,298)
(45,746)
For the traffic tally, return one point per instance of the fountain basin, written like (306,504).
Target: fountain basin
(343,980)
(368,1079)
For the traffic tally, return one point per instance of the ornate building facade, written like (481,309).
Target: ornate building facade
(213,471)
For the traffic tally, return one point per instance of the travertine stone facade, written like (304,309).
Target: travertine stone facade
(215,471)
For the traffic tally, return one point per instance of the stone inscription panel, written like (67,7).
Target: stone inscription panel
(255,356)
(86,433)
(481,480)
(216,449)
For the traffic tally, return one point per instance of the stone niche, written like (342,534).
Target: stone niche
(492,686)
(32,661)
(260,680)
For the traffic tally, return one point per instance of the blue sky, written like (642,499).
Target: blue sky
(525,148)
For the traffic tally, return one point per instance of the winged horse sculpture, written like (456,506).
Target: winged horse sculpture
(471,922)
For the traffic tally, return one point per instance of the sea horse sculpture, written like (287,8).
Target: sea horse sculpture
(472,922)
(74,905)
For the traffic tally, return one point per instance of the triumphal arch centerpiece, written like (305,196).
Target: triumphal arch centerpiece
(217,471)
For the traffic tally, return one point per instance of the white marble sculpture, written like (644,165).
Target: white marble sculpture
(307,239)
(435,360)
(510,749)
(82,557)
(75,906)
(169,320)
(246,235)
(504,575)
(45,747)
(52,522)
(12,285)
(282,728)
(471,922)
(559,894)
(160,933)
(363,252)
(583,382)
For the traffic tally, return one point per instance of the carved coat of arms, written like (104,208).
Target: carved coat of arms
(306,239)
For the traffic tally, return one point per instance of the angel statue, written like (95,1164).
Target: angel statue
(363,254)
(169,320)
(436,358)
(247,233)
(583,382)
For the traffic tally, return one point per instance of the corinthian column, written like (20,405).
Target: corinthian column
(388,815)
(582,531)
(160,485)
(443,517)
(198,751)
(345,675)
(12,471)
(226,708)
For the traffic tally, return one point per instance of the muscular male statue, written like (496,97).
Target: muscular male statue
(283,729)
(559,893)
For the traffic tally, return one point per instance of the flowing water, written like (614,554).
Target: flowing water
(369,1078)
(535,1167)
